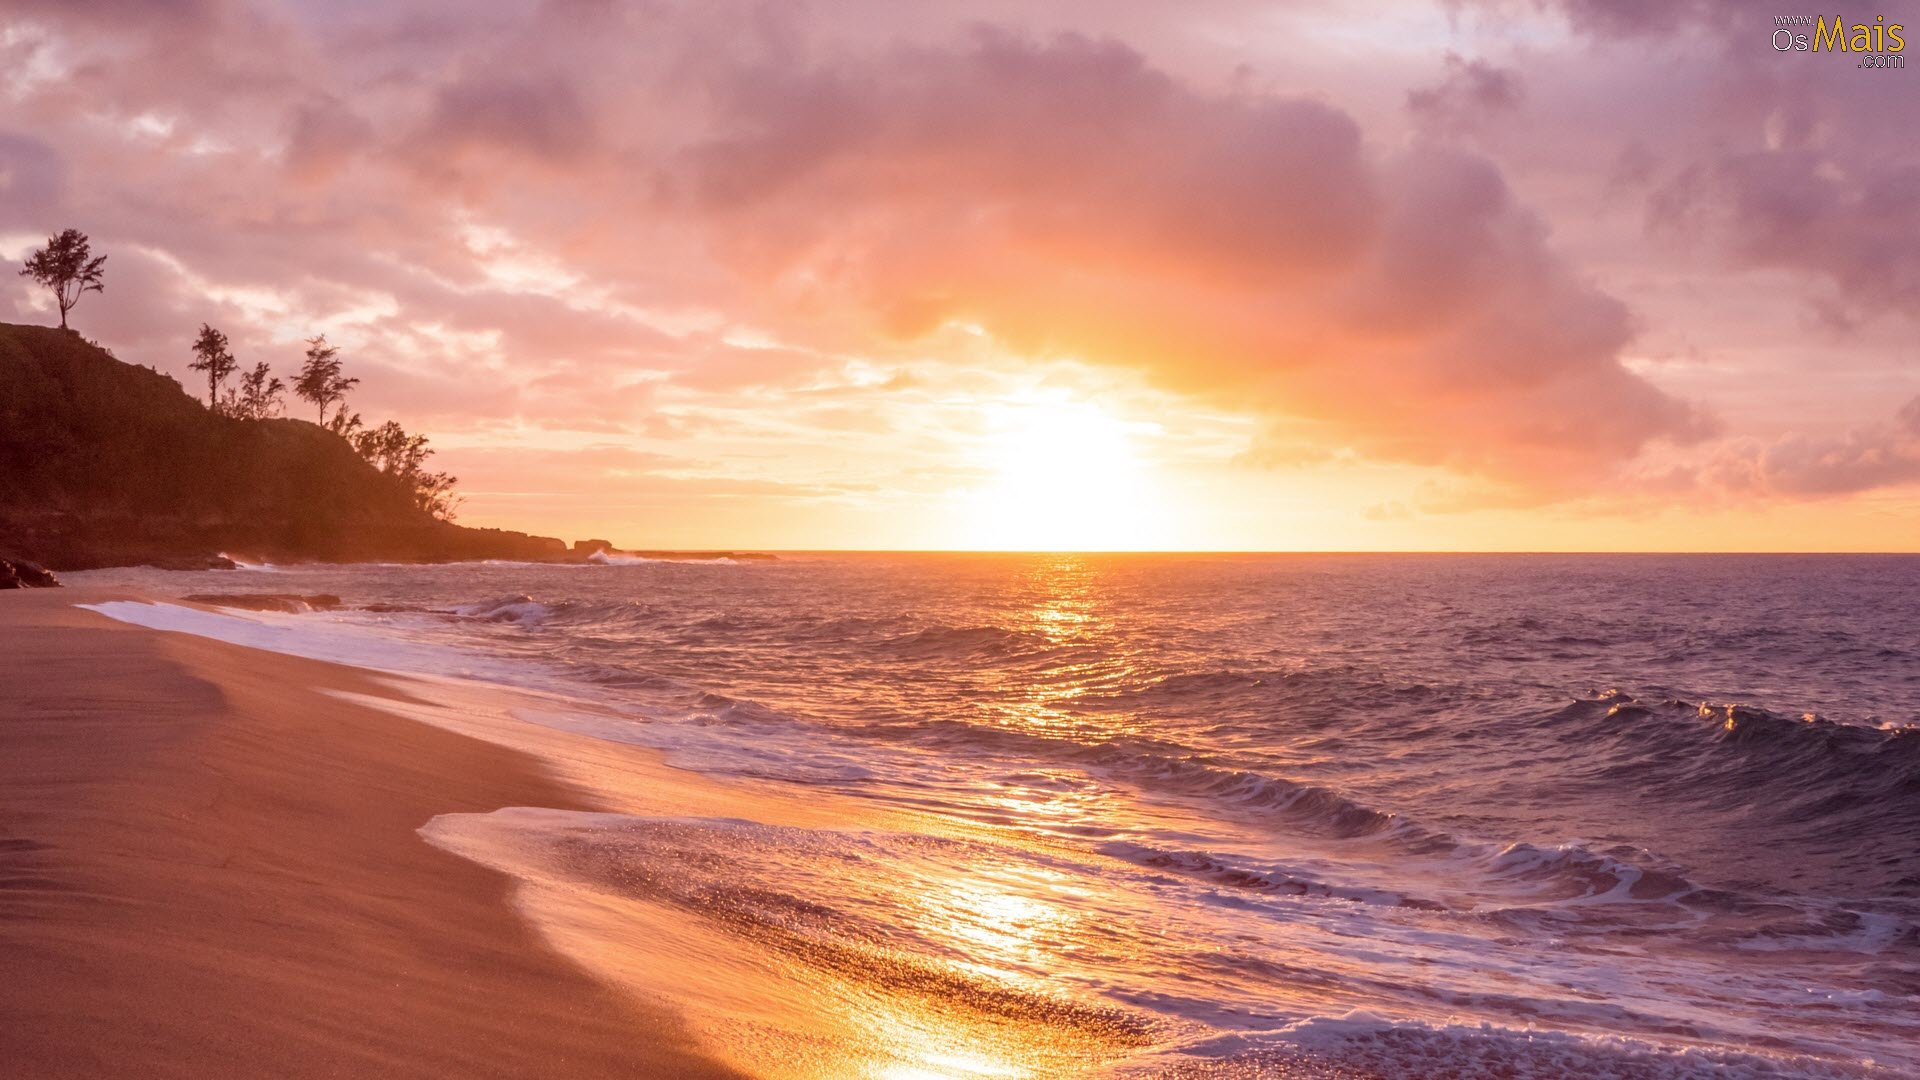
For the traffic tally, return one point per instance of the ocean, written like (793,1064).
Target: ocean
(1412,815)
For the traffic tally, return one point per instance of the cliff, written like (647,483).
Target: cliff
(103,463)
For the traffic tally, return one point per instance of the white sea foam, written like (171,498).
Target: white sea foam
(515,609)
(318,636)
(606,558)
(259,568)
(1376,1045)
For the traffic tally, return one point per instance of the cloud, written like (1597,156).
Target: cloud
(1802,208)
(541,118)
(622,218)
(1071,199)
(324,135)
(1781,161)
(1880,455)
(1472,93)
(1642,18)
(32,182)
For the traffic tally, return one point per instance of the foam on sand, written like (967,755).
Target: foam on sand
(315,636)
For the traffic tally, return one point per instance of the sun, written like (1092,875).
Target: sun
(1066,476)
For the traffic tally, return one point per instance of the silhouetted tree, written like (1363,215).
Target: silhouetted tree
(258,397)
(404,457)
(320,382)
(433,492)
(390,449)
(66,266)
(344,425)
(213,358)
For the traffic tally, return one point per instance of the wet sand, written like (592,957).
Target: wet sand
(210,867)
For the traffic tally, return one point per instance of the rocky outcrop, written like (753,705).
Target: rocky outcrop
(17,573)
(291,603)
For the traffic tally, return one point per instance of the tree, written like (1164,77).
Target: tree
(320,380)
(344,425)
(66,266)
(402,456)
(391,450)
(258,397)
(214,359)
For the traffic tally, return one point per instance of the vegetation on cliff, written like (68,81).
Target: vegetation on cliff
(106,463)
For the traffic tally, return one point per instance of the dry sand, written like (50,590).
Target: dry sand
(210,868)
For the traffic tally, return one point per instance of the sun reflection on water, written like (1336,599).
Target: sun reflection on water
(997,929)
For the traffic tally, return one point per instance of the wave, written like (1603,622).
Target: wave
(1418,866)
(1503,875)
(1239,873)
(1574,873)
(1163,769)
(519,608)
(604,558)
(286,603)
(963,642)
(1834,786)
(1367,1044)
(262,568)
(1487,878)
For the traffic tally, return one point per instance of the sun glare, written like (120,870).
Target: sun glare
(1068,476)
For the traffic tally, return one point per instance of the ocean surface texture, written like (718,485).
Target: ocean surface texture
(1412,815)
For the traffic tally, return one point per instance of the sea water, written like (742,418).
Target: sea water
(1413,815)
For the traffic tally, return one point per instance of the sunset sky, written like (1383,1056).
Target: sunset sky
(1096,274)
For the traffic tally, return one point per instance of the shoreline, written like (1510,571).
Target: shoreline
(255,863)
(212,868)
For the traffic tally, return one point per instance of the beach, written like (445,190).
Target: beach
(226,861)
(211,868)
(913,817)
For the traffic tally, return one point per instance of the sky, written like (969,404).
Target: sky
(1090,274)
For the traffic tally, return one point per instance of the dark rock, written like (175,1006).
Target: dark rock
(16,573)
(193,562)
(291,603)
(588,547)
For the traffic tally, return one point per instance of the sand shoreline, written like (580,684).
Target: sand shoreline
(211,868)
(220,861)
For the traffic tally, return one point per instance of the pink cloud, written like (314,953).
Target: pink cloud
(33,179)
(1074,200)
(850,178)
(540,118)
(1472,93)
(1880,455)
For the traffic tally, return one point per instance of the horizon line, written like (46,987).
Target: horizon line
(740,550)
